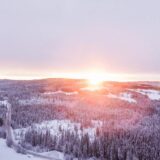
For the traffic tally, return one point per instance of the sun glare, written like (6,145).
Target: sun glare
(95,81)
(96,78)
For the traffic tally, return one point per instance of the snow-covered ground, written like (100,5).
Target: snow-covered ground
(55,127)
(3,103)
(54,154)
(152,94)
(123,96)
(44,98)
(7,153)
(36,100)
(44,101)
(61,92)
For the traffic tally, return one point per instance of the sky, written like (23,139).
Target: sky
(74,38)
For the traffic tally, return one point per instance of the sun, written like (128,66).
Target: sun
(95,81)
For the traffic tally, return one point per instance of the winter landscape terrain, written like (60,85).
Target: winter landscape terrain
(65,119)
(79,80)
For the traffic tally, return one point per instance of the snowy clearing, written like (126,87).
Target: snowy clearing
(123,96)
(36,100)
(7,153)
(152,94)
(55,127)
(41,100)
(61,92)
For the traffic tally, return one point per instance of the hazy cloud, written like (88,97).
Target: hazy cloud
(119,36)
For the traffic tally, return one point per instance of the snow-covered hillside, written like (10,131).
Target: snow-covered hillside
(56,125)
(61,92)
(152,94)
(123,96)
(7,153)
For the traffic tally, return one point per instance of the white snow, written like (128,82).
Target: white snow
(54,154)
(152,94)
(55,125)
(41,100)
(3,103)
(36,100)
(123,96)
(7,153)
(61,92)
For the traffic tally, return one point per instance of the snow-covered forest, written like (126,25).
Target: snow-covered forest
(120,121)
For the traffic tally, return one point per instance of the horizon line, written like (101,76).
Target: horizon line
(100,76)
(70,78)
